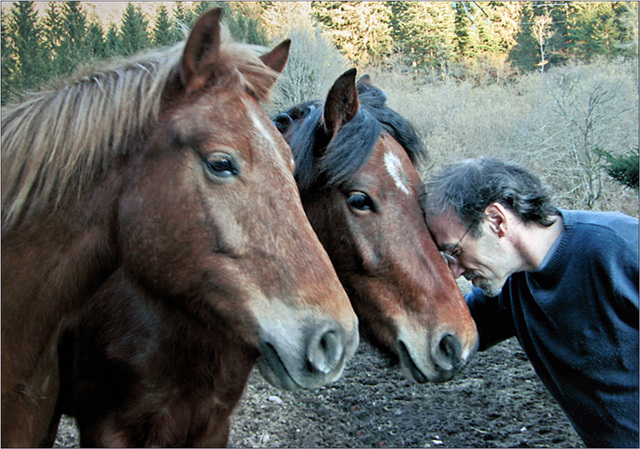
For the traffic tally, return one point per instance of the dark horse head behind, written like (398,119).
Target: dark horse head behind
(356,170)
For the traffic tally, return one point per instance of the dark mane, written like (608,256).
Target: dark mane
(374,100)
(351,148)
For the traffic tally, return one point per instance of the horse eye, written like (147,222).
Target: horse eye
(221,166)
(359,201)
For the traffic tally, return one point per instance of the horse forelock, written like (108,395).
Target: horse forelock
(331,163)
(350,149)
(396,125)
(57,141)
(353,145)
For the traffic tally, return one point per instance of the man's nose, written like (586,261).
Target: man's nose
(456,269)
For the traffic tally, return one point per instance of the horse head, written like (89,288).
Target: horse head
(211,221)
(360,188)
(166,168)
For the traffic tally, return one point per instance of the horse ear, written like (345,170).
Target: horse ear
(277,58)
(201,50)
(342,103)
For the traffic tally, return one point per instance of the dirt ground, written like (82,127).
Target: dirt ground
(496,401)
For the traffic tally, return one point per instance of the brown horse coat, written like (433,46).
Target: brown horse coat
(166,169)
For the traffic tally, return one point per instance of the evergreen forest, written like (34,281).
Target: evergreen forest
(478,40)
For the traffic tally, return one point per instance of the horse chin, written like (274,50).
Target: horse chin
(273,369)
(288,367)
(409,367)
(413,372)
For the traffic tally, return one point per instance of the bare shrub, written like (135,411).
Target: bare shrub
(458,119)
(313,65)
(592,107)
(486,68)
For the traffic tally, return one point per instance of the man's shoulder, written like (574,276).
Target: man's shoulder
(597,222)
(601,235)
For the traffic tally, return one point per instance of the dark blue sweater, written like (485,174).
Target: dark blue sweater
(577,321)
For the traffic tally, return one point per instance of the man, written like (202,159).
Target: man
(565,283)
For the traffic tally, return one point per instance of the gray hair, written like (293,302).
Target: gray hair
(468,187)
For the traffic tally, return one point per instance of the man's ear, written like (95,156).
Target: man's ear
(497,219)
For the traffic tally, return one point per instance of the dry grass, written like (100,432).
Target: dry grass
(550,122)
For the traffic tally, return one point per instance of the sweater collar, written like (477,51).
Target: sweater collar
(554,262)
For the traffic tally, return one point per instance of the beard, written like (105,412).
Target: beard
(489,288)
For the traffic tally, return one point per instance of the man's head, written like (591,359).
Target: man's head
(473,209)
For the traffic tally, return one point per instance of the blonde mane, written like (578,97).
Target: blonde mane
(56,142)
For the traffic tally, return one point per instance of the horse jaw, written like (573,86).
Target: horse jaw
(296,352)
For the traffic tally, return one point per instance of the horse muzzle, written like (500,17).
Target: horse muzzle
(309,357)
(442,358)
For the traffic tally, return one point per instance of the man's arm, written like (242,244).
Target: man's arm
(493,318)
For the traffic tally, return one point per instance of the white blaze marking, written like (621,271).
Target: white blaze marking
(257,123)
(268,135)
(394,167)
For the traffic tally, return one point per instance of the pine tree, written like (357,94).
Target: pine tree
(626,14)
(465,42)
(558,42)
(162,34)
(180,24)
(623,169)
(424,33)
(112,45)
(594,29)
(52,32)
(361,30)
(32,67)
(185,18)
(504,17)
(524,54)
(95,41)
(8,64)
(73,48)
(488,41)
(243,20)
(133,32)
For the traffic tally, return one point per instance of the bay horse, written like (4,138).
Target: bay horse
(356,171)
(155,193)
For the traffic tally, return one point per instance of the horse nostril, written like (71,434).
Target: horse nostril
(447,353)
(325,350)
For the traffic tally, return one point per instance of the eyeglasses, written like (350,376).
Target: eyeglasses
(452,255)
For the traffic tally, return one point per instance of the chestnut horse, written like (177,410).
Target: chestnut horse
(360,189)
(157,194)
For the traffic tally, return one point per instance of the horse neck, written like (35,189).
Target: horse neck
(213,375)
(203,373)
(52,262)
